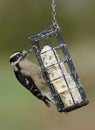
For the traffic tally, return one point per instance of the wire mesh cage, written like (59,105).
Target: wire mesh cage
(58,70)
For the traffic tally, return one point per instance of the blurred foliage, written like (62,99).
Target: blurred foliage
(19,20)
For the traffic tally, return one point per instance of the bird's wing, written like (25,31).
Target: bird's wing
(29,84)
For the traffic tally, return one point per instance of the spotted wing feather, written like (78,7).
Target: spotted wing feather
(29,84)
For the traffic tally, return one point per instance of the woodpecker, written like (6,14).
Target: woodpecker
(30,76)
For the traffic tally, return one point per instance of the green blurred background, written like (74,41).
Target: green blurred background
(19,19)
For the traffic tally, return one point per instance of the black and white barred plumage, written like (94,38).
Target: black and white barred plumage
(30,76)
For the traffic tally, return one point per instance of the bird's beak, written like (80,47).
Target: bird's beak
(26,53)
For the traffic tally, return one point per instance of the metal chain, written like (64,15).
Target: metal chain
(54,13)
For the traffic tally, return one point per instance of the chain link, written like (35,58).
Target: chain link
(54,13)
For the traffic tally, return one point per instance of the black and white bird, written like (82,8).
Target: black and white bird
(30,76)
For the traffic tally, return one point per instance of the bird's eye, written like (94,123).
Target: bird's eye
(18,55)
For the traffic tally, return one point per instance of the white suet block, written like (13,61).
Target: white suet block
(59,77)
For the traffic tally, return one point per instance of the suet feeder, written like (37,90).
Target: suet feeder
(58,69)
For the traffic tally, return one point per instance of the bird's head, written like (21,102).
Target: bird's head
(18,56)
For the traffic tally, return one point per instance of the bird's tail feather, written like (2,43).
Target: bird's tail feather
(45,100)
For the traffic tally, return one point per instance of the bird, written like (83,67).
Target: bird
(30,76)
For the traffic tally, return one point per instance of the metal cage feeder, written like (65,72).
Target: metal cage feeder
(58,69)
